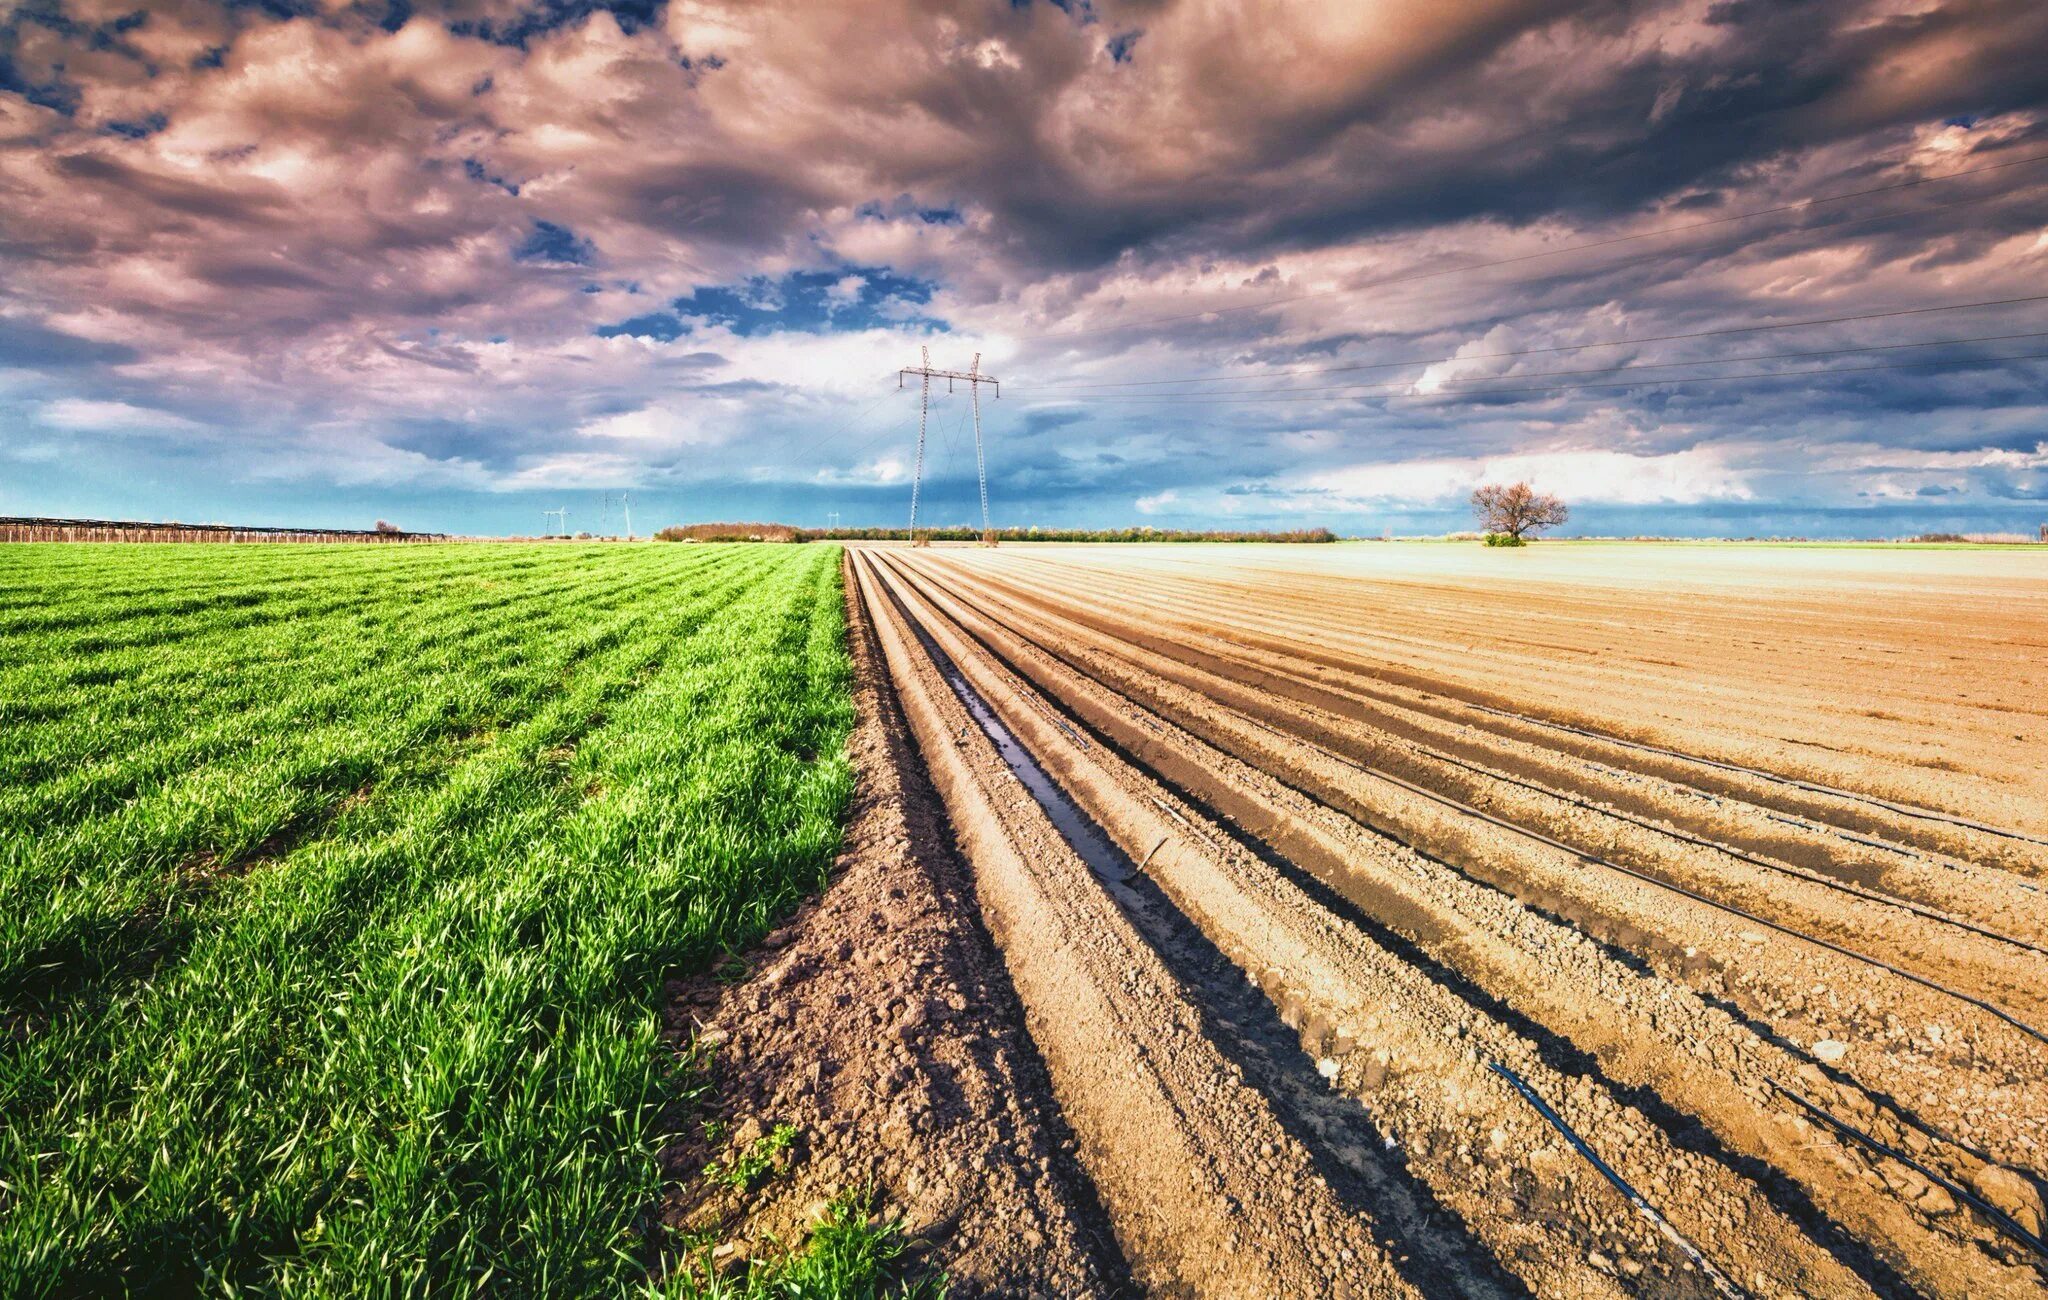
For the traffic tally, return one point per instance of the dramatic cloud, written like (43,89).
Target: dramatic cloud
(1332,263)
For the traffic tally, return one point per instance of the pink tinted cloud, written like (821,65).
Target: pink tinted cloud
(323,229)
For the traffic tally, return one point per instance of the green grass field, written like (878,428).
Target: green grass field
(338,886)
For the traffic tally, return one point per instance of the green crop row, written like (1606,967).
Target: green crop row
(338,886)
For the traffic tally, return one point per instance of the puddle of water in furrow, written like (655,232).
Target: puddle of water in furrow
(1079,830)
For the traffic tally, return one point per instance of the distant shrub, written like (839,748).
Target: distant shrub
(1504,539)
(1981,539)
(727,533)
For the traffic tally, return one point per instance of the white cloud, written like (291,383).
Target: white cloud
(883,471)
(845,291)
(321,238)
(1873,457)
(652,424)
(83,415)
(573,469)
(1684,477)
(1478,359)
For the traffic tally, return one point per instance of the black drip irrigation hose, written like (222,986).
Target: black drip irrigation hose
(1827,828)
(1581,855)
(1839,832)
(1635,1198)
(2004,1222)
(1740,855)
(1811,787)
(1431,753)
(1648,879)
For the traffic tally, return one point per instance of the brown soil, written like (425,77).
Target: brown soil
(1350,879)
(1274,873)
(881,1025)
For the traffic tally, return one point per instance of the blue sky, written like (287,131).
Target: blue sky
(455,263)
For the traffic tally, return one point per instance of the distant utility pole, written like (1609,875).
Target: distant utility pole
(561,518)
(832,517)
(974,379)
(604,515)
(626,504)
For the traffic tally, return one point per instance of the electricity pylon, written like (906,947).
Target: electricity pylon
(561,515)
(974,379)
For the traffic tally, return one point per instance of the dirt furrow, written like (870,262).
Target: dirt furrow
(1981,896)
(1397,1035)
(1164,1121)
(1721,1069)
(1272,619)
(1804,641)
(1307,644)
(1950,1063)
(1986,897)
(881,1025)
(1937,948)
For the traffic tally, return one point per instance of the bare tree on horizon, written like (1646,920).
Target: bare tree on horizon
(1512,509)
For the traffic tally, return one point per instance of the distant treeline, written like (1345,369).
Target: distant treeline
(1985,539)
(22,528)
(788,533)
(730,533)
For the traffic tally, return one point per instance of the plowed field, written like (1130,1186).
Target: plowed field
(1584,921)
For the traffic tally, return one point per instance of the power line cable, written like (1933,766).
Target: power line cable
(1529,352)
(877,436)
(946,435)
(1581,246)
(869,442)
(1605,370)
(812,444)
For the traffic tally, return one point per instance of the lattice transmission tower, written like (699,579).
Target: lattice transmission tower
(974,379)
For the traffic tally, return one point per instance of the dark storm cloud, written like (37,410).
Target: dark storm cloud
(27,345)
(748,207)
(1650,128)
(244,205)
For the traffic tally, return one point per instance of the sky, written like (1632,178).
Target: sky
(452,263)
